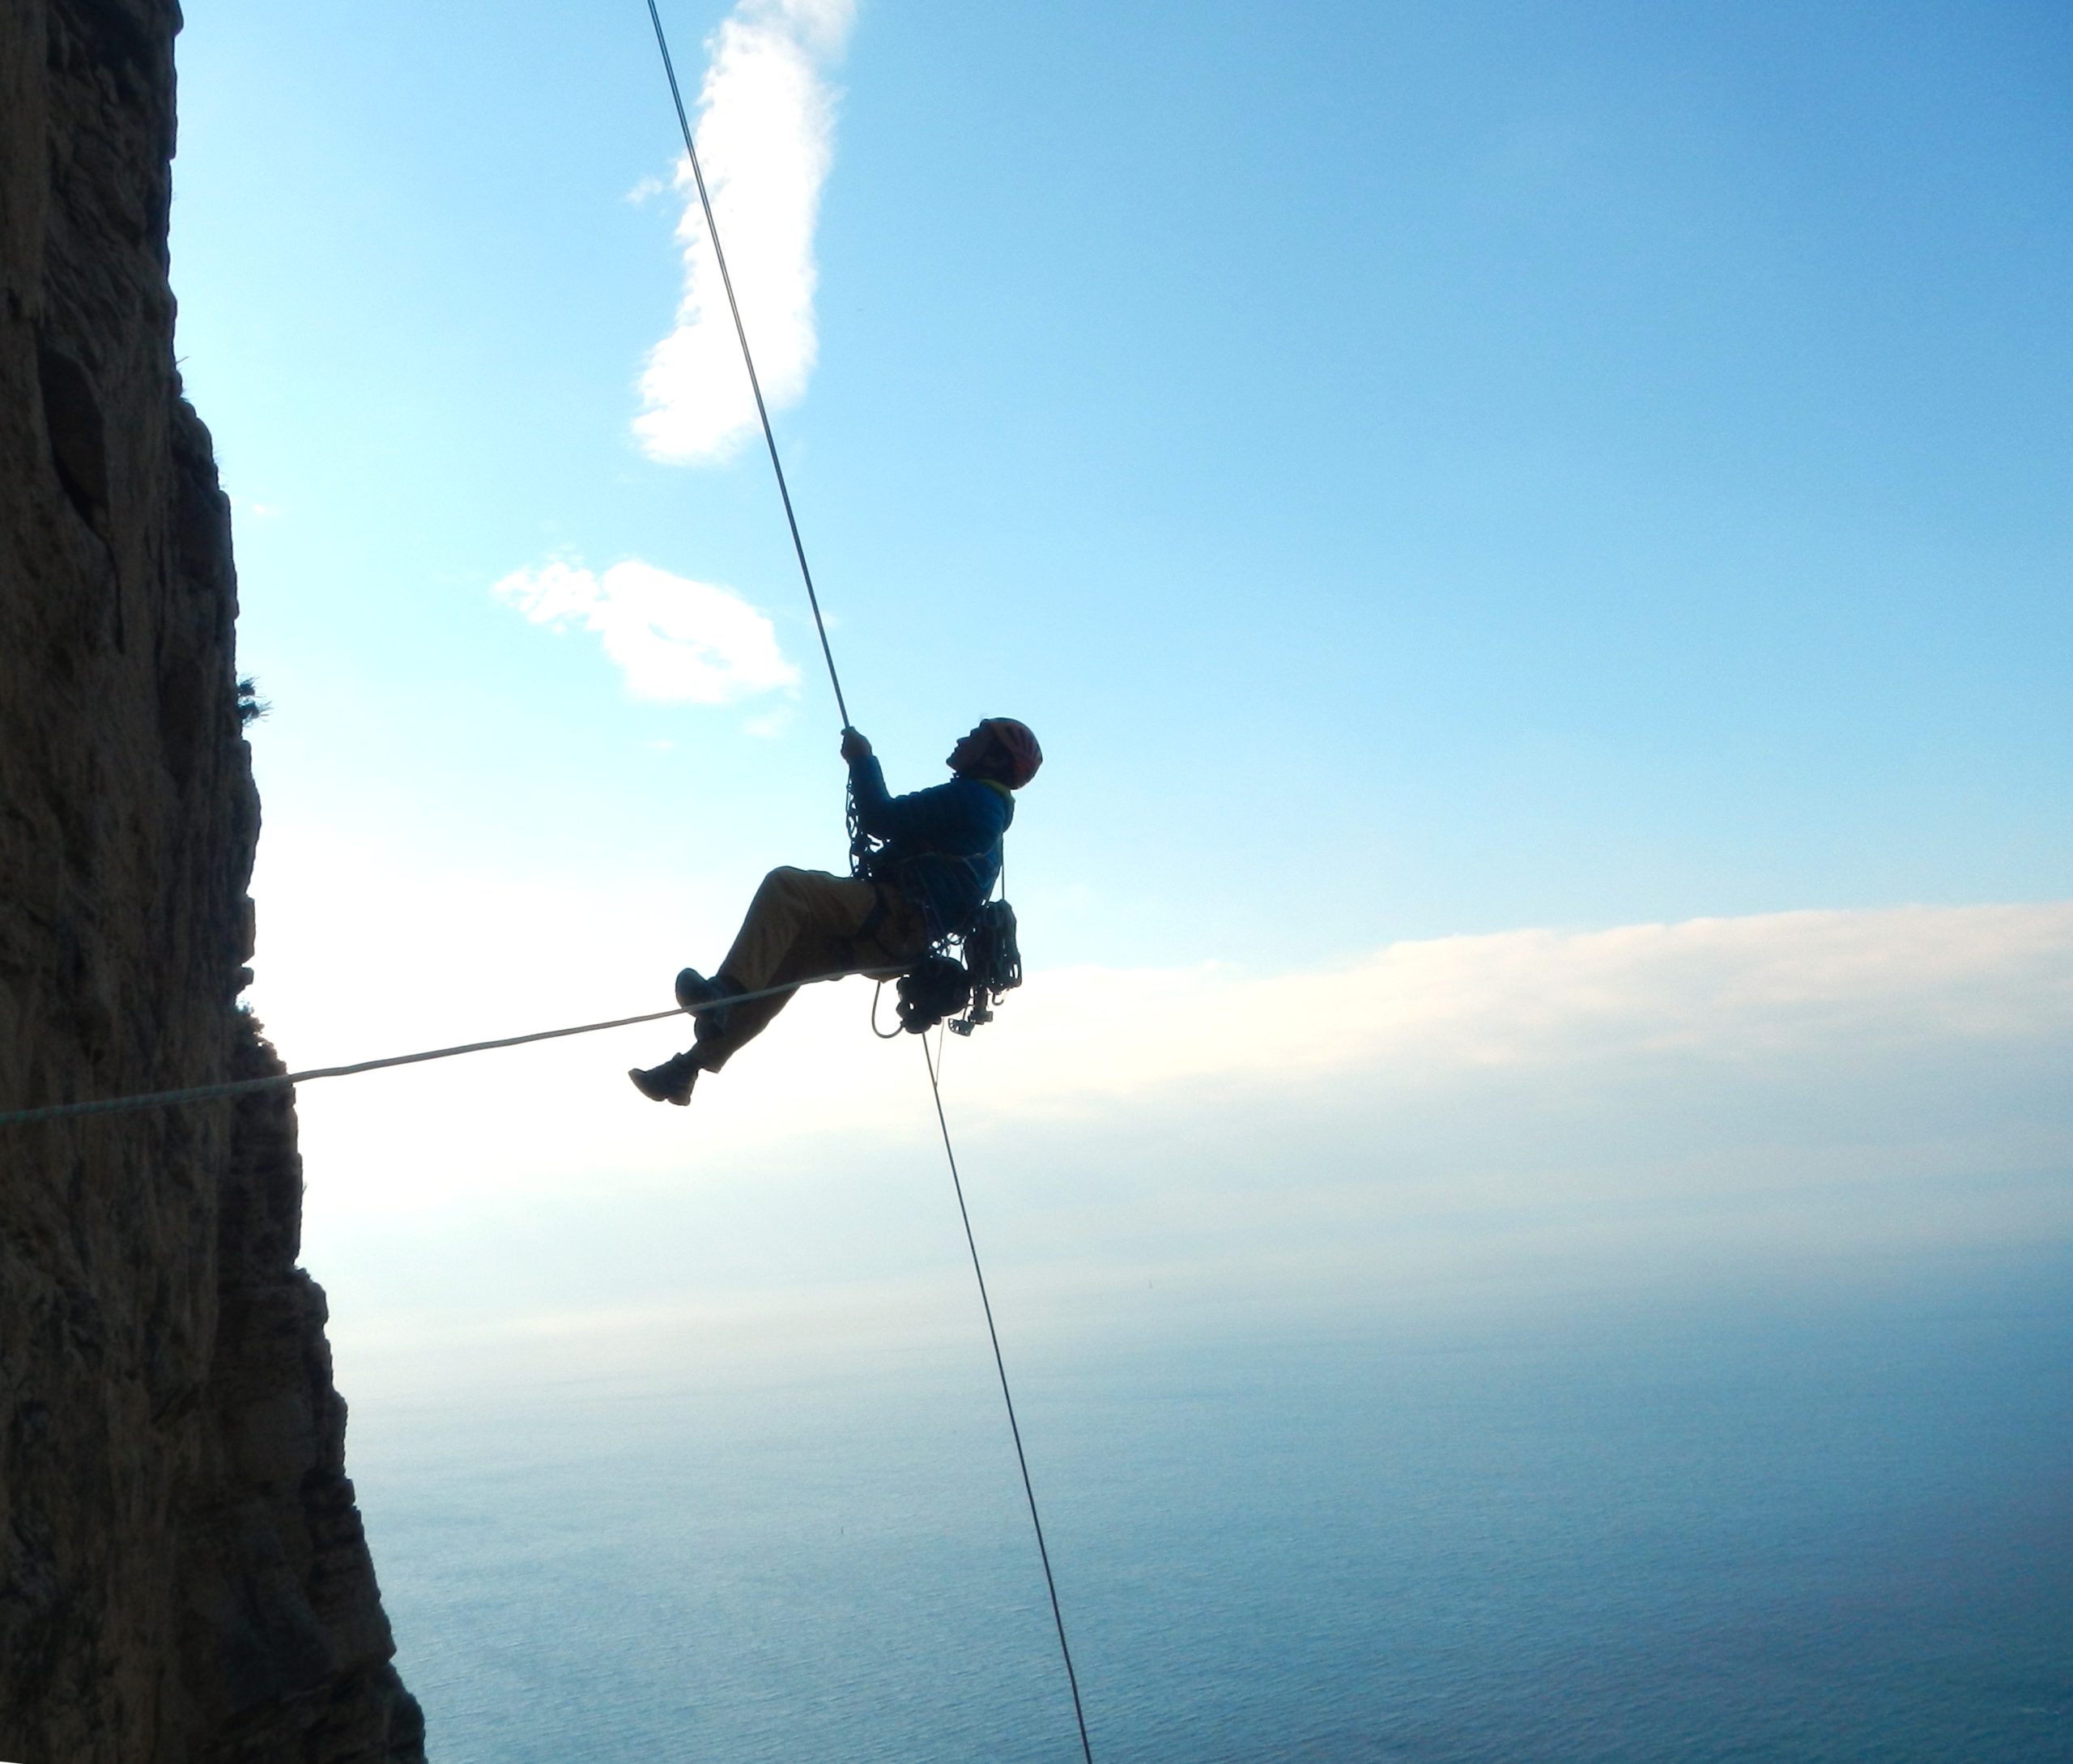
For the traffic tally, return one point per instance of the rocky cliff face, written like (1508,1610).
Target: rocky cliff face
(182,1572)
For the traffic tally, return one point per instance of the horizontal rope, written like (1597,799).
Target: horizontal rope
(206,1093)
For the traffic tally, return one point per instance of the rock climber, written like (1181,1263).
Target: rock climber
(938,855)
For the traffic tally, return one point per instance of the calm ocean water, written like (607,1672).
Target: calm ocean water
(1832,1530)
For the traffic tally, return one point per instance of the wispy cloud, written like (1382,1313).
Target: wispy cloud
(674,638)
(765,130)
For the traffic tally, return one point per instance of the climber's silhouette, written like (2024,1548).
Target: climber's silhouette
(930,858)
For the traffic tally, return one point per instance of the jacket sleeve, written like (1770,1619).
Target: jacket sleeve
(876,812)
(947,818)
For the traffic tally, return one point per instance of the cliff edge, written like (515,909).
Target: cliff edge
(183,1575)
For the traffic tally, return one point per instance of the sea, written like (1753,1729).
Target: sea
(1784,1523)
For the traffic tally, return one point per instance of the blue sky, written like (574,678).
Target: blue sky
(1427,471)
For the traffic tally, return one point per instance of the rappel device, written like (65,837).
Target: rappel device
(930,990)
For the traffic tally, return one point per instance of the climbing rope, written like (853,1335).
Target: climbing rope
(1000,1366)
(207,1093)
(798,546)
(748,360)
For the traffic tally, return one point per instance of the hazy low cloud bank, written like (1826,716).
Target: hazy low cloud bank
(1800,1093)
(1842,989)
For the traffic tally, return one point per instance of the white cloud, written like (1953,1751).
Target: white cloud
(1843,988)
(1888,1019)
(764,130)
(1808,1090)
(674,638)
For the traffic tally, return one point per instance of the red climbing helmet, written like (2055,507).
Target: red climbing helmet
(1019,748)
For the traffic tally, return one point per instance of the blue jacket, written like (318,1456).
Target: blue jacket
(943,845)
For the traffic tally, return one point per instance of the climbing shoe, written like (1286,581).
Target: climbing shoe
(668,1083)
(705,999)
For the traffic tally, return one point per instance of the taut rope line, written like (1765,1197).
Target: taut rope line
(748,361)
(1000,1366)
(204,1093)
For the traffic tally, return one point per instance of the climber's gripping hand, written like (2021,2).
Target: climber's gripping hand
(854,746)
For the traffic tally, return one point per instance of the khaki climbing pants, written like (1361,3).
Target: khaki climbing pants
(804,923)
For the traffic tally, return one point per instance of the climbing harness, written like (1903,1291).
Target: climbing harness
(927,992)
(964,987)
(967,969)
(999,958)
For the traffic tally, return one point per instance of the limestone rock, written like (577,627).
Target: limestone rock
(183,1576)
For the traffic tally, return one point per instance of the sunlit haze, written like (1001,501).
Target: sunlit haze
(1535,540)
